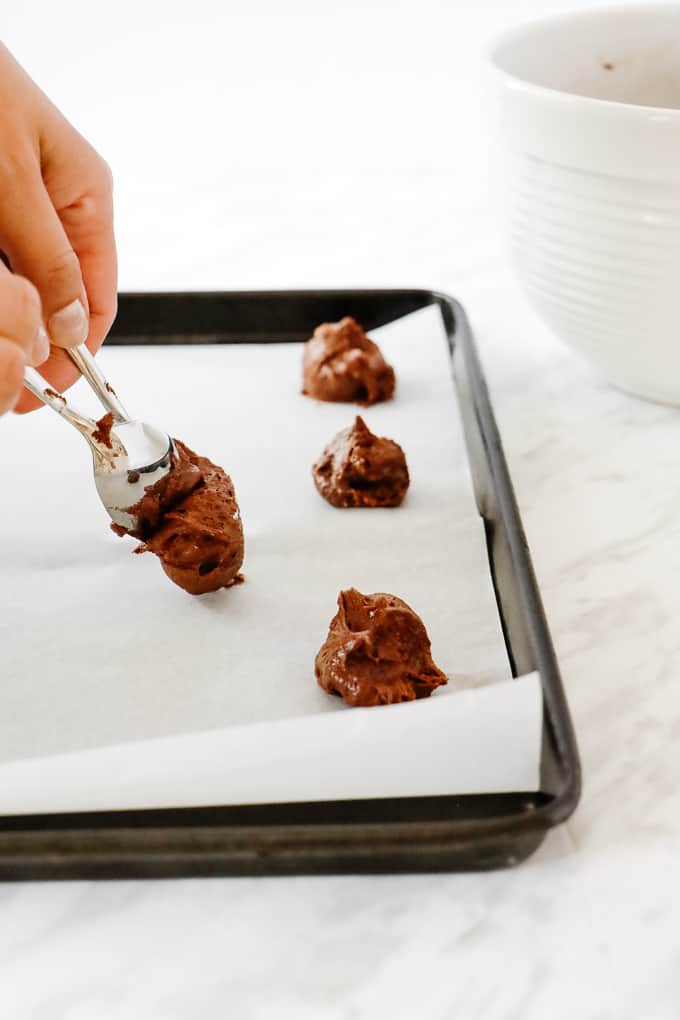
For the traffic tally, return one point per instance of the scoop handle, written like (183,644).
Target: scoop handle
(88,428)
(87,365)
(35,383)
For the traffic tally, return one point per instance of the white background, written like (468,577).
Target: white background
(297,144)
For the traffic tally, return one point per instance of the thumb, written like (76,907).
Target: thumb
(38,248)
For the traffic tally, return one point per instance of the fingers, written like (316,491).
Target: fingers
(88,223)
(22,338)
(38,248)
(21,317)
(11,373)
(56,222)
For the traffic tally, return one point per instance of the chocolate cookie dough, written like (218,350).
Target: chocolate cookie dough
(190,519)
(102,433)
(377,652)
(360,469)
(340,363)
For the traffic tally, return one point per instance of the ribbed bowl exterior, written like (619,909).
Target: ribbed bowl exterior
(589,183)
(599,257)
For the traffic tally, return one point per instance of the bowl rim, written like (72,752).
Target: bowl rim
(612,106)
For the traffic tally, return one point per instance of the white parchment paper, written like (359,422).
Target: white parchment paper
(118,689)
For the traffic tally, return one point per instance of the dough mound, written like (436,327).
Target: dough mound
(377,652)
(358,468)
(340,363)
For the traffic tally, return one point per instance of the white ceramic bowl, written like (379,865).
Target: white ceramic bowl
(586,113)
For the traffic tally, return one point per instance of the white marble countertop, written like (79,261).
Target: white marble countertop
(244,158)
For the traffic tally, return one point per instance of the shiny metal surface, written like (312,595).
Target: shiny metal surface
(137,454)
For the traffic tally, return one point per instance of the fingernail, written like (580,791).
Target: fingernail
(41,346)
(69,326)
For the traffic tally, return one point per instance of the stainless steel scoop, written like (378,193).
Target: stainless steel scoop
(139,454)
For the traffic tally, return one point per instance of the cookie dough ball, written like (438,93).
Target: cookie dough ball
(377,652)
(190,519)
(358,468)
(340,363)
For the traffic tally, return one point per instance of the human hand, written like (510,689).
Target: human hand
(56,226)
(23,340)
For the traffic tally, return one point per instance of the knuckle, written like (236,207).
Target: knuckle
(94,206)
(93,211)
(100,183)
(62,268)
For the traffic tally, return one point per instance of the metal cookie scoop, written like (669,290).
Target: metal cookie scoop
(132,456)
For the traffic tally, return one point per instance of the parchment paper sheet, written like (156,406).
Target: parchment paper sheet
(101,653)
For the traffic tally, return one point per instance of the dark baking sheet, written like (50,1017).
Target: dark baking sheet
(410,834)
